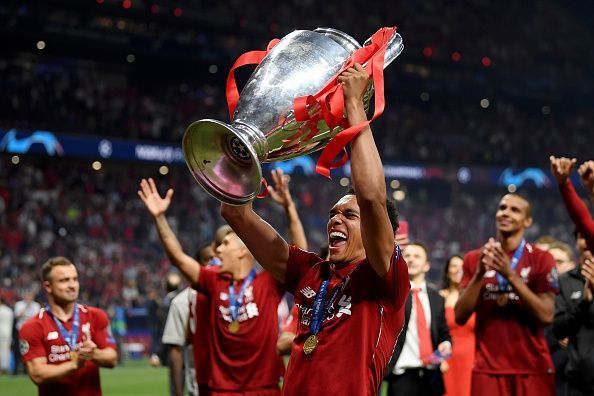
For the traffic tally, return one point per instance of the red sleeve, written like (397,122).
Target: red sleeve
(206,280)
(31,340)
(101,330)
(290,324)
(578,212)
(298,264)
(395,282)
(468,268)
(546,279)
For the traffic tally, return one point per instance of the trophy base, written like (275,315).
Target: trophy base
(222,161)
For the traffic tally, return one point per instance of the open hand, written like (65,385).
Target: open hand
(280,192)
(501,262)
(487,258)
(149,194)
(562,168)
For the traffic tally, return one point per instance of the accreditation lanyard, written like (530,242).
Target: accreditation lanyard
(235,302)
(319,307)
(513,264)
(71,337)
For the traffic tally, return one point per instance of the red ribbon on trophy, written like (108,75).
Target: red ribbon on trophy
(331,102)
(249,58)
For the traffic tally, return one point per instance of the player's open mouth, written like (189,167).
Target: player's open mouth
(337,239)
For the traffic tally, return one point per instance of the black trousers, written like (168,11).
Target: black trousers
(416,382)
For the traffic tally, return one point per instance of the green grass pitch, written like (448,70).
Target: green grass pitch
(132,378)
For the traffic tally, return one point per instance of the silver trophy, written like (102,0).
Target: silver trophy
(226,159)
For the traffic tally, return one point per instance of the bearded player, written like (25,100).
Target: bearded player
(64,345)
(350,307)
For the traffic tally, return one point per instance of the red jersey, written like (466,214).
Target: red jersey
(200,329)
(509,340)
(40,337)
(359,330)
(245,360)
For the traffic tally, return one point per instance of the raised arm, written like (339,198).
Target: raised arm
(265,244)
(157,207)
(586,172)
(281,194)
(368,177)
(577,210)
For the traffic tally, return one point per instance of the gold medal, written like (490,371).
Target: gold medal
(234,326)
(74,356)
(310,344)
(502,300)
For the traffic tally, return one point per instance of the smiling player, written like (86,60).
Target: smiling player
(350,307)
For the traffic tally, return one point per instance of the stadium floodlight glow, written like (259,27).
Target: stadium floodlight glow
(130,58)
(40,45)
(344,181)
(97,165)
(485,103)
(394,184)
(512,188)
(15,159)
(399,195)
(163,170)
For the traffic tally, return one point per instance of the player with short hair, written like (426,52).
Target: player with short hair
(351,306)
(243,308)
(64,345)
(511,286)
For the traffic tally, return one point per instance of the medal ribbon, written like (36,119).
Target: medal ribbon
(320,308)
(513,264)
(71,337)
(235,302)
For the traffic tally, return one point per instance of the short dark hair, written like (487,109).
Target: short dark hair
(201,248)
(47,267)
(445,280)
(390,207)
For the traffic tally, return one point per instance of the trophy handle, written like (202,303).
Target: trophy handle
(393,48)
(223,160)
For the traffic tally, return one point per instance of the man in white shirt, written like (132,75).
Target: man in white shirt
(6,320)
(23,310)
(175,336)
(414,367)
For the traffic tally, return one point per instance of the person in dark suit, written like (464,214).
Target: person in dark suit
(415,368)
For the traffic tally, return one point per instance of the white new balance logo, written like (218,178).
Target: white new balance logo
(345,306)
(308,292)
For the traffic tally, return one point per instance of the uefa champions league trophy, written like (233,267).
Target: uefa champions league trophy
(225,159)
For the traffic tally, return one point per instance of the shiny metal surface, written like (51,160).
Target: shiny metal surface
(226,159)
